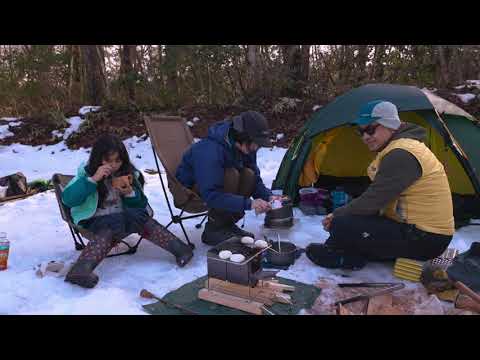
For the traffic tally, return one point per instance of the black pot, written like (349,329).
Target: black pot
(285,257)
(282,217)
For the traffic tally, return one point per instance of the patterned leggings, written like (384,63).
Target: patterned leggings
(109,229)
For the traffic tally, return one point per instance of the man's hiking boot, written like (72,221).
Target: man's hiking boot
(213,235)
(82,274)
(159,235)
(327,257)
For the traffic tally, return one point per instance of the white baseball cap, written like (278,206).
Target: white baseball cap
(382,112)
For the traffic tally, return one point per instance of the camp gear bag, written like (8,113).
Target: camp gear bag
(15,184)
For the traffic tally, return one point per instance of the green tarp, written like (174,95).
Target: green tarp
(303,298)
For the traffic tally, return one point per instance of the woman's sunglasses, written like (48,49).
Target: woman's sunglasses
(370,130)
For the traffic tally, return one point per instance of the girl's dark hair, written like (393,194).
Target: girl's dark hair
(105,146)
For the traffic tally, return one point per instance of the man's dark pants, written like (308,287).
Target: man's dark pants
(380,238)
(239,182)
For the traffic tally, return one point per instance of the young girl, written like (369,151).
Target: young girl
(109,213)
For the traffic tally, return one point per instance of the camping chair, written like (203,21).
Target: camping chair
(59,183)
(170,138)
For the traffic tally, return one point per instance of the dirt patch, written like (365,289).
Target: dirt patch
(126,123)
(35,131)
(287,122)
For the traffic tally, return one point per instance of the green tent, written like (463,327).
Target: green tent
(327,153)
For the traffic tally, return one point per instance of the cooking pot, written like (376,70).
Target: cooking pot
(283,255)
(280,217)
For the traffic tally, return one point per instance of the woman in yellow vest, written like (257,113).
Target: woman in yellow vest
(406,211)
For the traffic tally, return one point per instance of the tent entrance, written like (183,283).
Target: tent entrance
(338,157)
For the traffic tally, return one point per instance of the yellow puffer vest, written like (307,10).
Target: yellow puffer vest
(427,203)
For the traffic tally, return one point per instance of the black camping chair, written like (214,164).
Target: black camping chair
(60,181)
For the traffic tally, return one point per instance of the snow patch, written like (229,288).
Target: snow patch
(75,123)
(4,132)
(466,98)
(86,109)
(15,123)
(280,136)
(475,83)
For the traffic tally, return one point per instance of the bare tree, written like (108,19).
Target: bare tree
(128,55)
(442,68)
(305,62)
(361,63)
(75,79)
(378,66)
(94,79)
(170,66)
(253,69)
(292,60)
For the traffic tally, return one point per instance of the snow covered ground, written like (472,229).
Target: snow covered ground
(38,234)
(466,98)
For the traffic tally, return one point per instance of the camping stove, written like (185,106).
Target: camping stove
(247,272)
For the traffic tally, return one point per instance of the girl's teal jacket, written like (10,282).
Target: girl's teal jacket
(81,196)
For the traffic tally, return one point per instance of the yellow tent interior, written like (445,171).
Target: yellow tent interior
(339,152)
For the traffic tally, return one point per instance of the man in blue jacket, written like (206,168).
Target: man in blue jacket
(223,169)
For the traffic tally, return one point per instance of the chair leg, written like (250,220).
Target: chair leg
(186,236)
(131,249)
(77,239)
(199,225)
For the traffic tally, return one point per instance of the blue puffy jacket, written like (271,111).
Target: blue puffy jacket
(204,164)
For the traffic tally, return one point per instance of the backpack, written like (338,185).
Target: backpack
(466,268)
(12,185)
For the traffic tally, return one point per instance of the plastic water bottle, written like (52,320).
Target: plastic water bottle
(4,250)
(339,197)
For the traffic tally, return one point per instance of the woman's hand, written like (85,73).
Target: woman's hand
(102,172)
